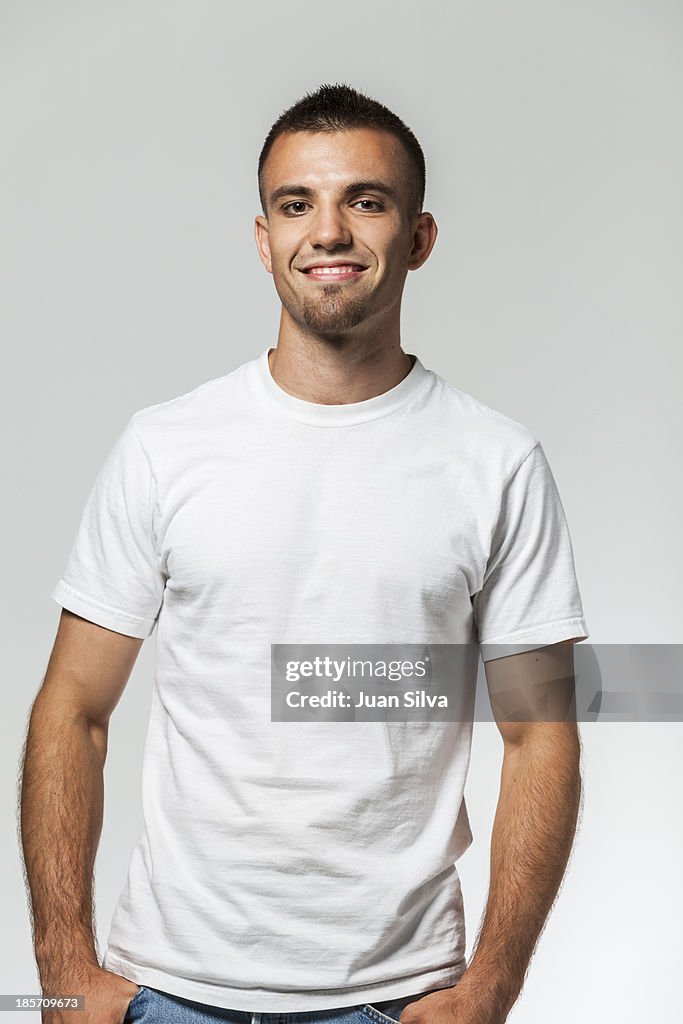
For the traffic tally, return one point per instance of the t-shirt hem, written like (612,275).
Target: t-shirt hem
(100,613)
(533,637)
(259,1000)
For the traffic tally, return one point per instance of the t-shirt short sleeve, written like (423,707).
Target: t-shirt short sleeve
(113,575)
(529,596)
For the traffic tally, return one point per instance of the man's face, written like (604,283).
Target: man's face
(337,198)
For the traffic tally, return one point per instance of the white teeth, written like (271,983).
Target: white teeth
(331,270)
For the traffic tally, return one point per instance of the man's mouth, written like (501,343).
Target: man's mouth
(339,272)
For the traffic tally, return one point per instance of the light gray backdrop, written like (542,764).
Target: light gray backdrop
(552,131)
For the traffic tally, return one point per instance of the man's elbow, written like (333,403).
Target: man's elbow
(557,740)
(53,715)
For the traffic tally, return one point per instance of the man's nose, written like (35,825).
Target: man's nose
(328,227)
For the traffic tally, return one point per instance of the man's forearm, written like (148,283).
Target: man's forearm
(531,841)
(62,799)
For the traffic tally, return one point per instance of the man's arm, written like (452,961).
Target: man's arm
(61,809)
(533,832)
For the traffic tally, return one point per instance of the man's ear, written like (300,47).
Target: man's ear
(262,243)
(424,237)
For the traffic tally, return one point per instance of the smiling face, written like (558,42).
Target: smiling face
(339,237)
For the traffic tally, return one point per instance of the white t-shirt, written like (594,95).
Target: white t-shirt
(303,866)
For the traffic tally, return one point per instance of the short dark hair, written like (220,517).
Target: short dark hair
(334,108)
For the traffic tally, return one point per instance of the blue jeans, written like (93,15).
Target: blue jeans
(151,1006)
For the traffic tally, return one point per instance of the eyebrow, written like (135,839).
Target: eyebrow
(374,185)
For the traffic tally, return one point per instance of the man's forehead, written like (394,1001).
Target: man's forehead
(331,157)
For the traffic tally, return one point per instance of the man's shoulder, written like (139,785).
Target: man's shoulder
(479,427)
(196,407)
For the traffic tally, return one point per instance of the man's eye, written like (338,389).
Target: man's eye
(373,202)
(296,202)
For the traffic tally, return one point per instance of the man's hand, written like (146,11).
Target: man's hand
(465,1003)
(107,998)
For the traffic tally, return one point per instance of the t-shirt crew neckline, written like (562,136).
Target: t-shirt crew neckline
(320,415)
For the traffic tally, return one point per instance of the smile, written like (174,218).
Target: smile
(339,273)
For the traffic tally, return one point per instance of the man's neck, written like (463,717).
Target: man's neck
(328,375)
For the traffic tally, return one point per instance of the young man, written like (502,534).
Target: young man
(330,491)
